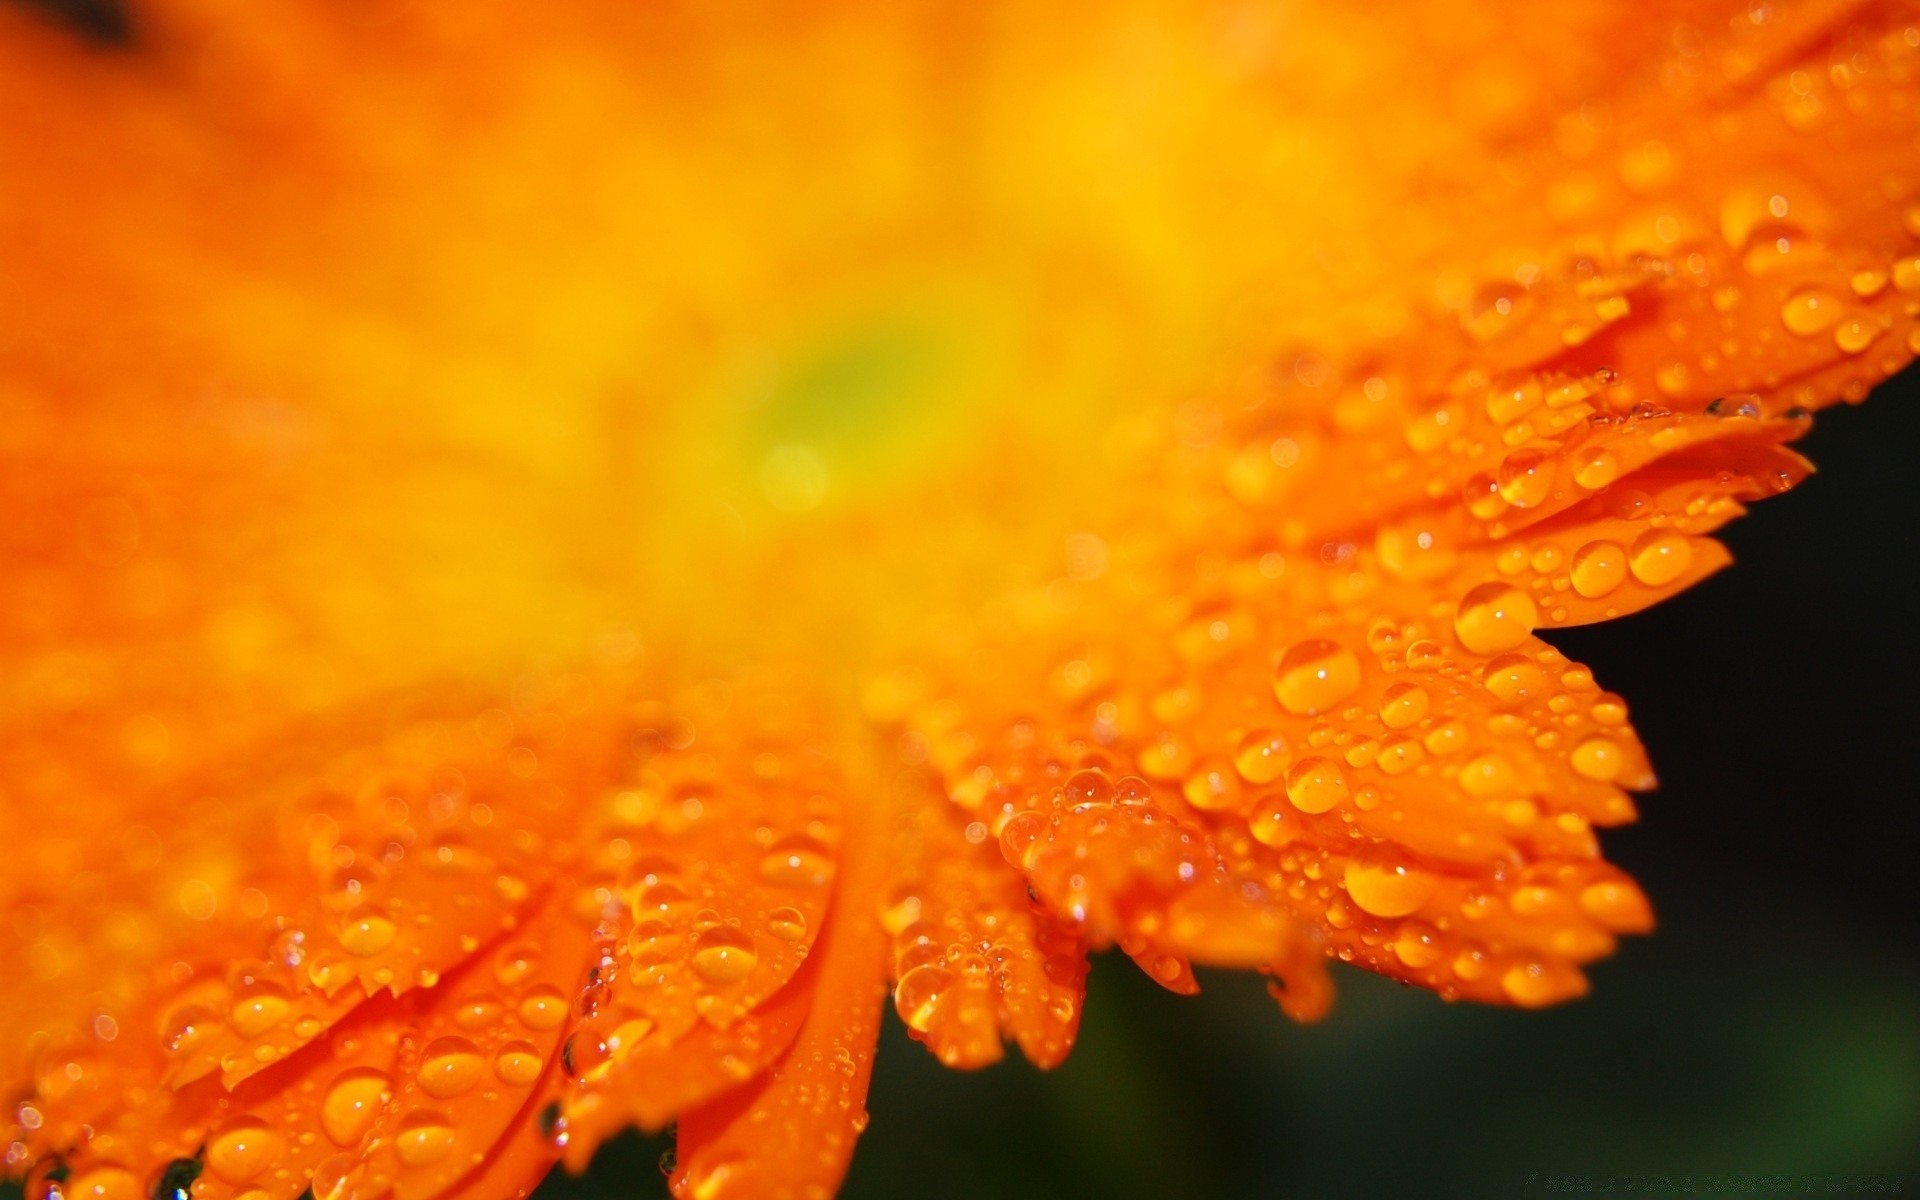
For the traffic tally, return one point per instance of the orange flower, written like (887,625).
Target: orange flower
(556,550)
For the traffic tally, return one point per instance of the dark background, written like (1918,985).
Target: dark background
(1764,1041)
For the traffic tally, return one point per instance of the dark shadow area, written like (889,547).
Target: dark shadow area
(104,22)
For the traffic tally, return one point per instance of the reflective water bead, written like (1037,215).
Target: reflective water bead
(424,1138)
(1810,311)
(1212,787)
(1316,785)
(1388,891)
(787,923)
(257,1008)
(1495,617)
(542,1008)
(1660,556)
(518,1063)
(367,932)
(1595,469)
(243,1149)
(449,1066)
(917,996)
(1514,679)
(797,862)
(1599,759)
(724,955)
(1314,676)
(1404,706)
(1525,478)
(1598,568)
(1262,757)
(352,1103)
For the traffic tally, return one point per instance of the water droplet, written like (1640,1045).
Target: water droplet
(1489,775)
(424,1138)
(1314,676)
(1514,679)
(518,1063)
(449,1066)
(1495,617)
(1273,822)
(917,996)
(724,955)
(352,1103)
(1316,785)
(1868,281)
(1525,478)
(1598,568)
(542,1007)
(477,1012)
(186,1027)
(258,1007)
(1618,904)
(367,932)
(1404,706)
(243,1149)
(1534,984)
(1855,334)
(1165,757)
(105,1183)
(1211,788)
(1660,556)
(1810,311)
(1388,891)
(1414,553)
(797,862)
(1023,837)
(1262,757)
(1417,945)
(787,924)
(516,963)
(1598,758)
(1596,469)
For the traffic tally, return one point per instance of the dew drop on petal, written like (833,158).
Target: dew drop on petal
(1388,891)
(1495,617)
(449,1066)
(517,1063)
(1314,676)
(352,1103)
(724,955)
(243,1149)
(1316,785)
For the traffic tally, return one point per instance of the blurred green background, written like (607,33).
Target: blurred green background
(1765,1040)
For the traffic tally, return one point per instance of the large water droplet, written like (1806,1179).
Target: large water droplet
(1809,311)
(258,1007)
(1495,617)
(1262,757)
(724,955)
(917,996)
(518,1064)
(1388,891)
(424,1138)
(243,1149)
(352,1104)
(1660,556)
(367,932)
(1598,568)
(1315,675)
(449,1066)
(1404,706)
(797,862)
(1316,785)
